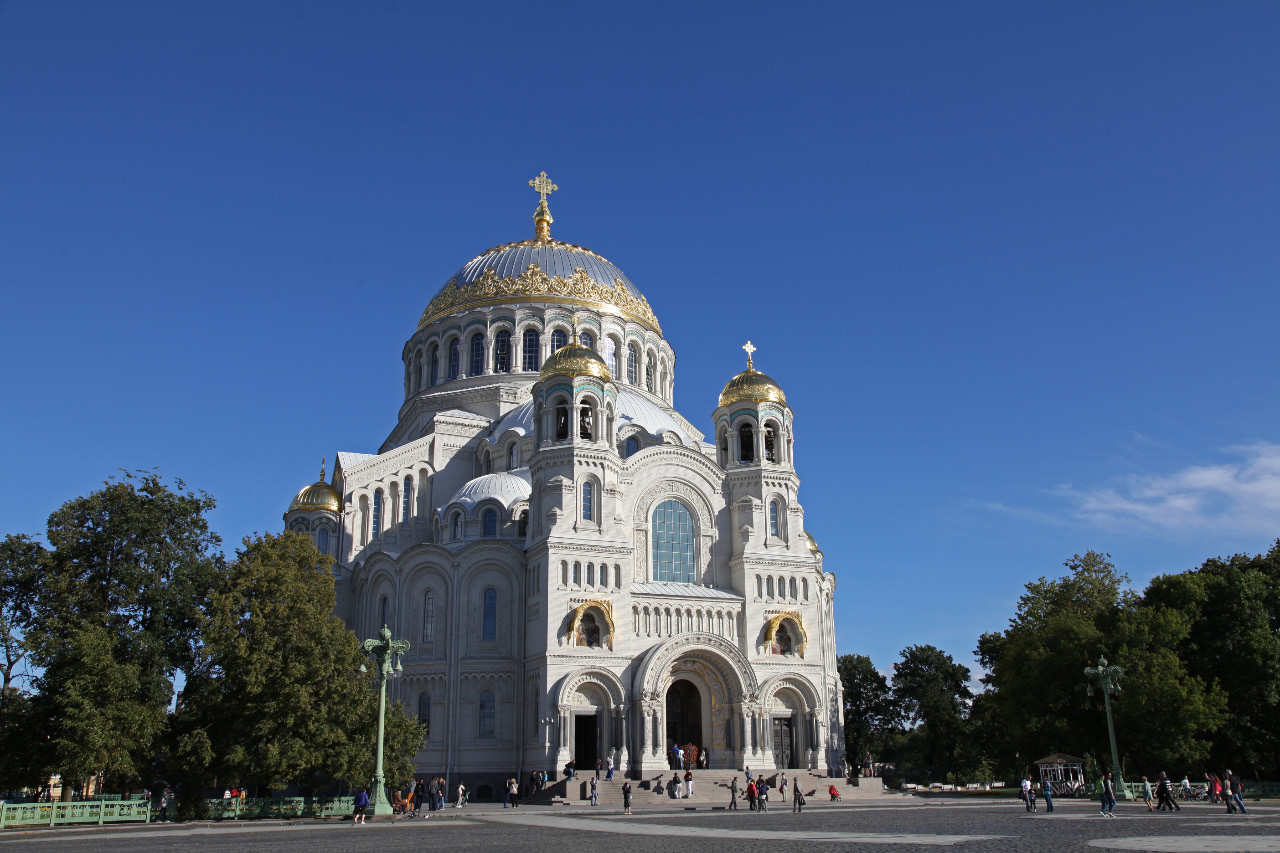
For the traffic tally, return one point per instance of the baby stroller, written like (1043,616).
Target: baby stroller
(834,792)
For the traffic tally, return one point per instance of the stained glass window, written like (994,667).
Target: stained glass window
(673,543)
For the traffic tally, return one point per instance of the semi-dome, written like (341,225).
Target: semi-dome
(752,386)
(508,488)
(575,360)
(813,543)
(318,495)
(540,270)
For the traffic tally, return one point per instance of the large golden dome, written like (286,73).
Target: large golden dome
(575,360)
(752,386)
(318,495)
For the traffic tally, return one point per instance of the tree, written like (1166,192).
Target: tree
(116,612)
(932,690)
(275,696)
(869,711)
(19,557)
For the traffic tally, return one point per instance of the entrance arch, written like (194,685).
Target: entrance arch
(684,715)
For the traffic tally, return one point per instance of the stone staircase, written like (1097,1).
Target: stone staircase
(710,790)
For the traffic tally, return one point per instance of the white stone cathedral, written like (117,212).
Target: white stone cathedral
(581,574)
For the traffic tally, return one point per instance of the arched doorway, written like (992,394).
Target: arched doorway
(684,715)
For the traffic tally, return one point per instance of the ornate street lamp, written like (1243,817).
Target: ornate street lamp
(1108,678)
(386,654)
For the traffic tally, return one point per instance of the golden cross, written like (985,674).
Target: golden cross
(750,348)
(542,186)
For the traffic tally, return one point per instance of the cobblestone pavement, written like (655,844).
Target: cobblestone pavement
(894,827)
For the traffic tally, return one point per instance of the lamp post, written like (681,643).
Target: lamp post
(386,654)
(1108,679)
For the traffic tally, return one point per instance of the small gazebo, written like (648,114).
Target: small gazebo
(1064,773)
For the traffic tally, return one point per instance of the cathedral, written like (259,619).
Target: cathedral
(581,572)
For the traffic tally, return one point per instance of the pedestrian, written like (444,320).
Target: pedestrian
(1237,791)
(1228,796)
(797,799)
(1046,788)
(674,788)
(599,767)
(595,793)
(608,776)
(461,796)
(1031,798)
(733,794)
(702,759)
(1146,794)
(1185,787)
(1164,795)
(165,797)
(1026,792)
(688,784)
(626,797)
(752,794)
(361,803)
(1108,796)
(782,787)
(762,793)
(1215,787)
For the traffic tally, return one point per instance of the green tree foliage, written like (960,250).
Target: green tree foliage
(869,711)
(111,608)
(932,691)
(19,563)
(1036,687)
(1232,642)
(274,696)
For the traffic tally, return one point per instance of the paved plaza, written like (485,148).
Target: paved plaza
(916,823)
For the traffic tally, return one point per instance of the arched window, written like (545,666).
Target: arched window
(773,519)
(322,540)
(759,588)
(804,588)
(770,443)
(648,375)
(490,523)
(587,340)
(428,617)
(724,447)
(489,625)
(558,339)
(457,525)
(673,543)
(747,443)
(591,574)
(611,356)
(435,364)
(486,713)
(477,355)
(791,588)
(382,612)
(424,714)
(531,354)
(631,448)
(523,528)
(562,422)
(513,461)
(588,501)
(577,574)
(417,370)
(631,365)
(406,511)
(584,422)
(377,513)
(502,352)
(768,586)
(455,360)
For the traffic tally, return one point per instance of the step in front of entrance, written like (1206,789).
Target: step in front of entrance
(710,787)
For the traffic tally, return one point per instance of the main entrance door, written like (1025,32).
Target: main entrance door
(784,743)
(585,738)
(684,716)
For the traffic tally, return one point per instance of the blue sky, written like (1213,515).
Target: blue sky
(1014,264)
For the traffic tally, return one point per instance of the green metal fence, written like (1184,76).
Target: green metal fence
(279,807)
(87,811)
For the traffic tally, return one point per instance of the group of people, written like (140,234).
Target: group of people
(757,793)
(429,792)
(688,757)
(1029,791)
(1226,789)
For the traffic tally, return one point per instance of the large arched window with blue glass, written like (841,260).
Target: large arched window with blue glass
(377,513)
(490,523)
(477,355)
(531,359)
(558,339)
(322,541)
(455,365)
(673,559)
(489,624)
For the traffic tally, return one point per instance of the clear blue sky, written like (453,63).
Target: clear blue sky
(1015,264)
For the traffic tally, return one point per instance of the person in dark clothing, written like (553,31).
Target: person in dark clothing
(733,794)
(797,798)
(626,797)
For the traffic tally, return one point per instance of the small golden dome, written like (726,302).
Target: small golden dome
(813,543)
(752,386)
(575,360)
(318,495)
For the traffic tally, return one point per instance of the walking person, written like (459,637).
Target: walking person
(762,794)
(1031,797)
(361,803)
(1108,796)
(797,799)
(626,797)
(1164,795)
(733,794)
(674,788)
(752,794)
(595,793)
(1237,791)
(782,787)
(1146,794)
(1026,792)
(608,777)
(688,784)
(599,767)
(1228,796)
(1046,788)
(462,795)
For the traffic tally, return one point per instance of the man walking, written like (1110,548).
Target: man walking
(733,794)
(1047,789)
(609,774)
(1108,796)
(797,799)
(1026,791)
(595,793)
(688,784)
(762,794)
(1237,791)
